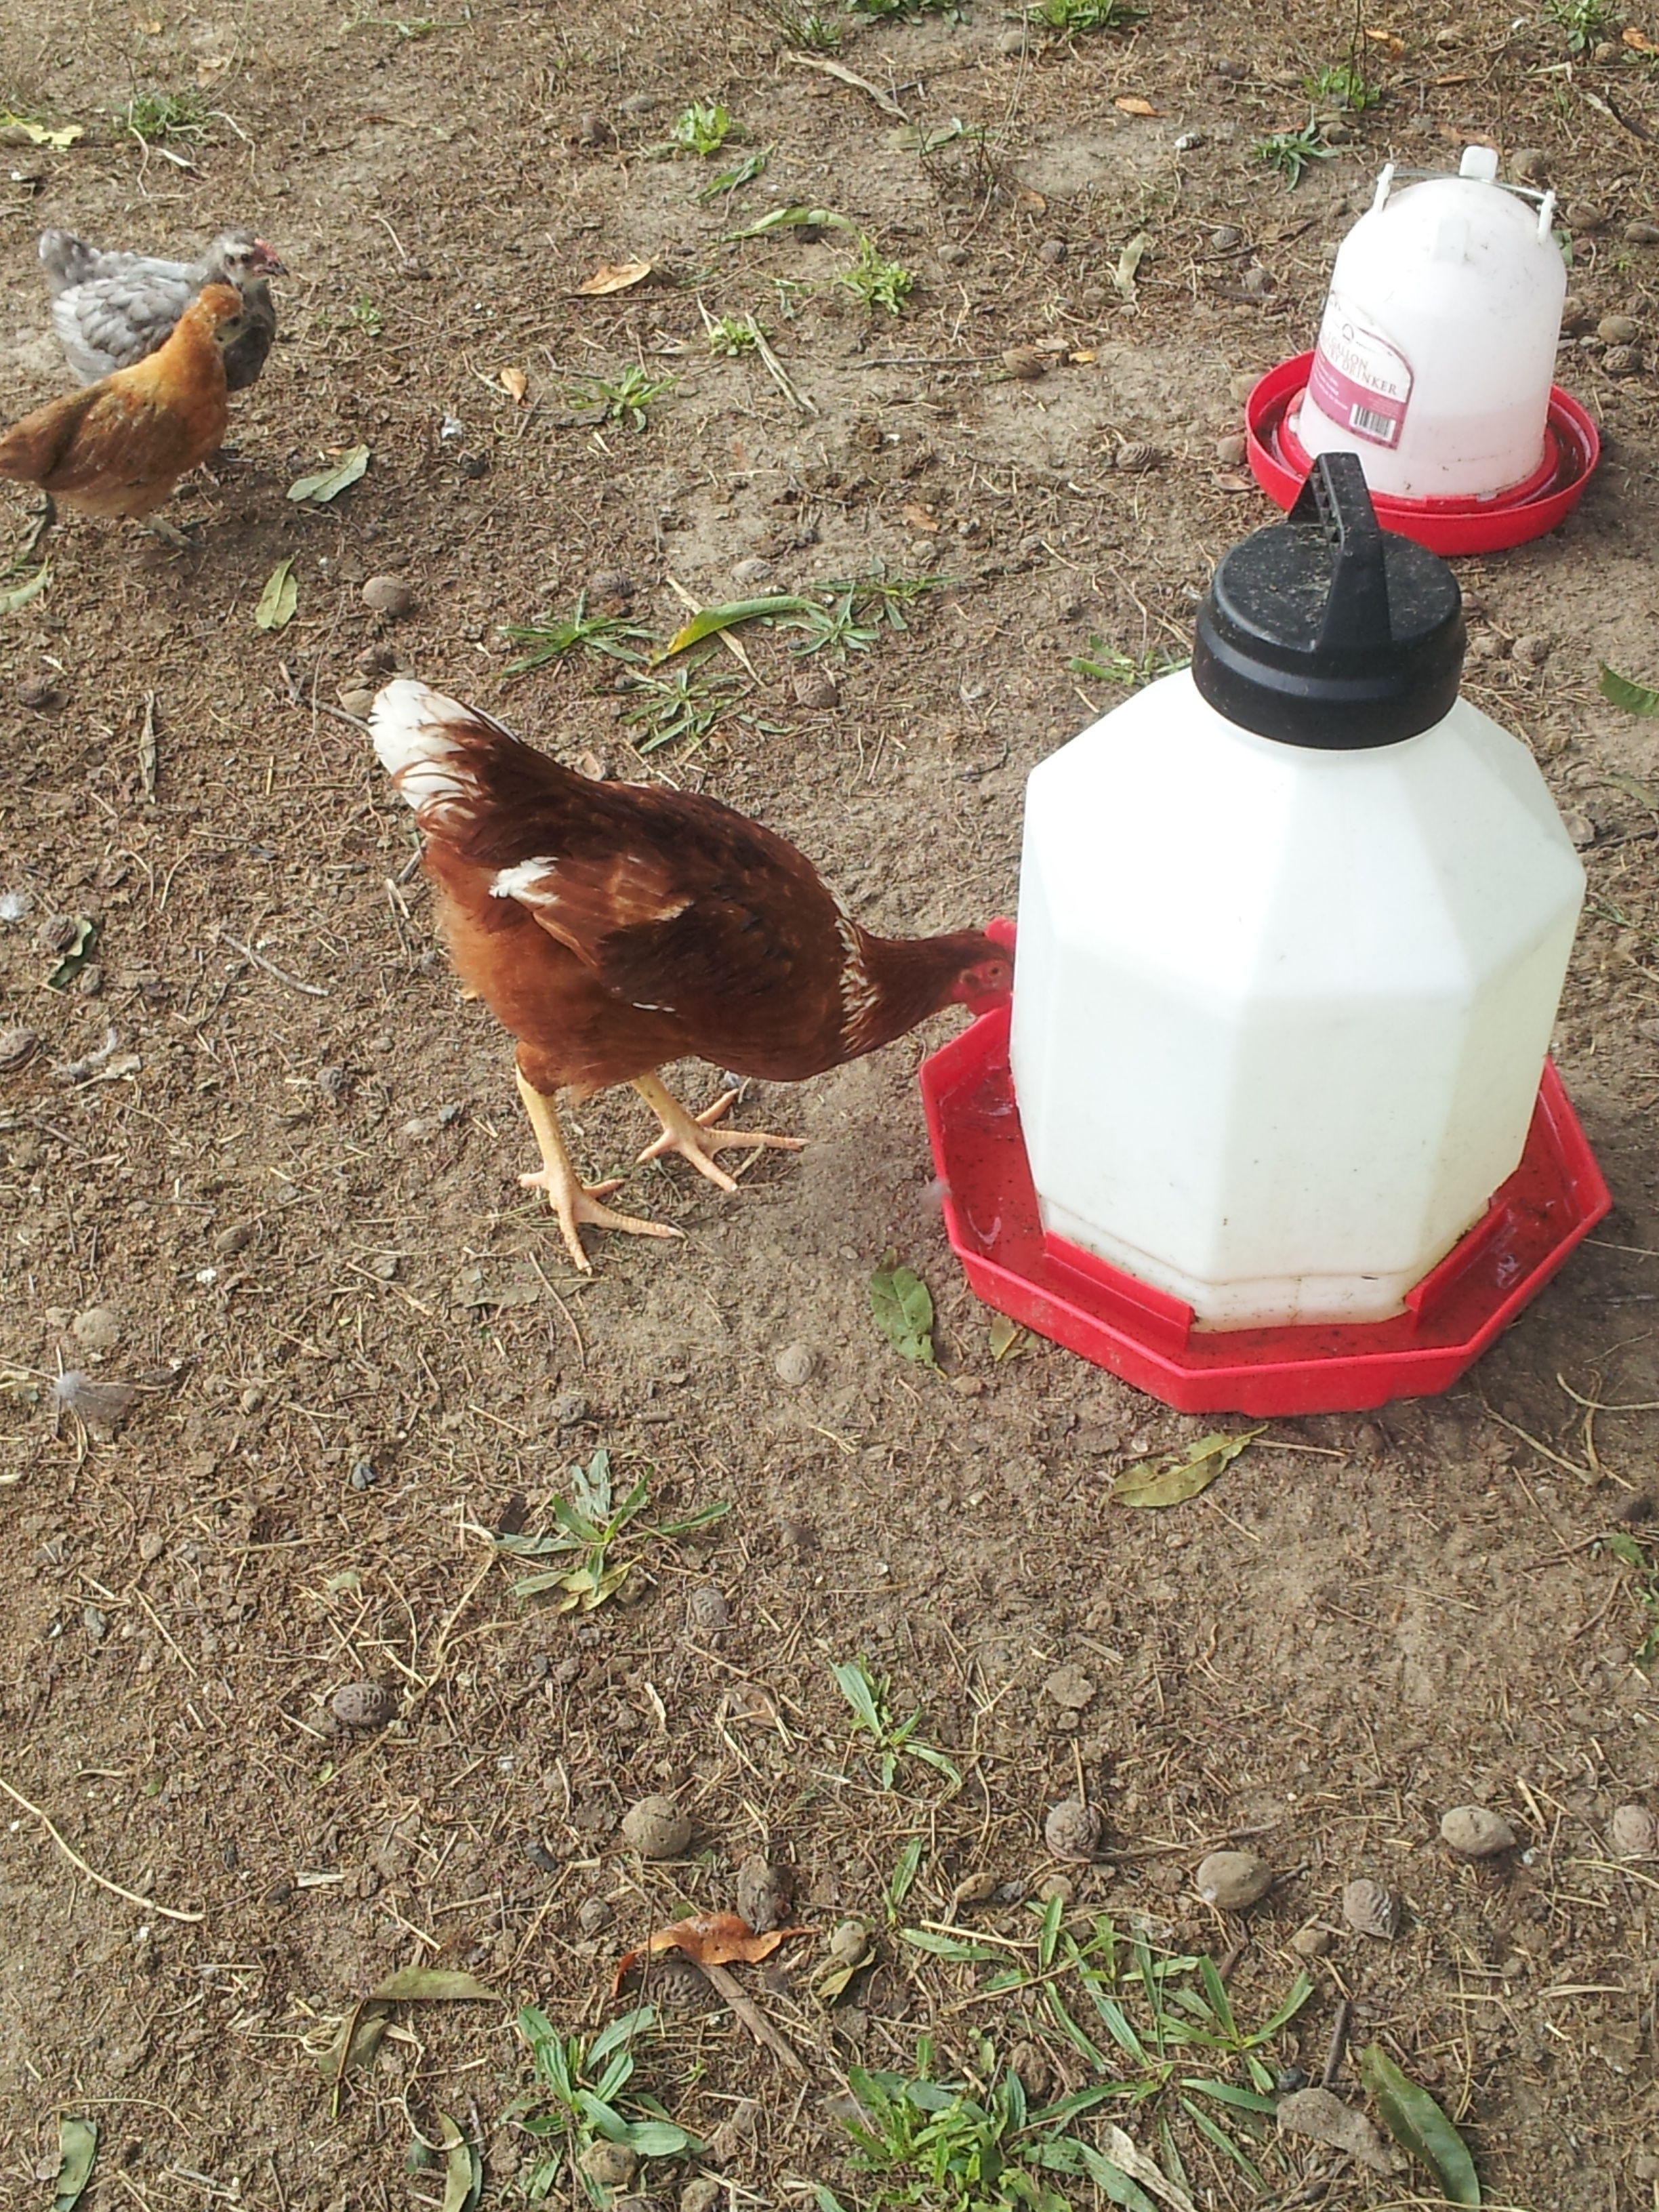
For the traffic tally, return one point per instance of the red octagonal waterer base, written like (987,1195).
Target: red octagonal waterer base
(1554,1197)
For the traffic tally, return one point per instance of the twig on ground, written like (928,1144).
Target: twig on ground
(144,1904)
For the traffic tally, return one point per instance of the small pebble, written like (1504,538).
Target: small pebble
(952,255)
(1230,451)
(593,1916)
(707,1611)
(15,1046)
(56,932)
(362,1475)
(388,595)
(1622,360)
(1619,329)
(848,1942)
(1475,1833)
(608,588)
(1031,2062)
(1052,250)
(1642,234)
(97,1329)
(1232,72)
(815,689)
(363,1704)
(639,103)
(1233,1880)
(1069,1686)
(1225,237)
(1634,1832)
(1073,1830)
(592,129)
(608,2164)
(1013,42)
(754,570)
(1027,362)
(1529,165)
(1581,217)
(541,1858)
(1324,2118)
(1534,648)
(700,2195)
(38,692)
(1242,386)
(763,1893)
(656,1828)
(1059,1886)
(1368,1908)
(358,699)
(1137,458)
(1578,827)
(1312,1942)
(795,1364)
(568,1408)
(96,1624)
(1636,1504)
(1575,315)
(1189,142)
(974,1889)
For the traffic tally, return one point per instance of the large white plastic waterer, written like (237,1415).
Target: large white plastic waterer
(1438,345)
(1293,926)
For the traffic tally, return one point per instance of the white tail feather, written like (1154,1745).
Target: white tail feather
(408,723)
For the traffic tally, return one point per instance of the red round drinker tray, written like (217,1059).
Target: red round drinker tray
(1553,1199)
(1572,446)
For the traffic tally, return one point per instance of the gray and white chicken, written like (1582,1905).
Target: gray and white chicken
(112,310)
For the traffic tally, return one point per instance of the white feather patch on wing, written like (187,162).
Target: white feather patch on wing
(407,724)
(521,882)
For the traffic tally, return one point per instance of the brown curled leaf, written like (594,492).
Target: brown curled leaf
(712,1939)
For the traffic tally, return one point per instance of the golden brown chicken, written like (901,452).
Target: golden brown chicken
(117,448)
(612,927)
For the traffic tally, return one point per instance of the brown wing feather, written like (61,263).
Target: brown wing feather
(32,449)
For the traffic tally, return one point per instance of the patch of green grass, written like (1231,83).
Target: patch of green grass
(868,1694)
(687,707)
(702,129)
(585,2094)
(625,400)
(1644,1587)
(157,115)
(741,173)
(875,281)
(1109,664)
(611,635)
(367,316)
(1343,85)
(1583,22)
(1070,19)
(1290,152)
(589,1525)
(729,335)
(804,28)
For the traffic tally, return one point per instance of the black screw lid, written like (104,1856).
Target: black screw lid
(1327,630)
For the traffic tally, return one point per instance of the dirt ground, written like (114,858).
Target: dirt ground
(283,1185)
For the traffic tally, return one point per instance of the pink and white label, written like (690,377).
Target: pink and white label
(1357,379)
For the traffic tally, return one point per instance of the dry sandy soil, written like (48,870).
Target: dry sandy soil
(285,1192)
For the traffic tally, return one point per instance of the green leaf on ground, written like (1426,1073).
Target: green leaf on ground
(327,484)
(278,599)
(1149,1484)
(903,1308)
(78,2147)
(1634,698)
(1418,2125)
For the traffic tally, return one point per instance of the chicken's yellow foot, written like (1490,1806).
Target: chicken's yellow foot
(693,1136)
(572,1201)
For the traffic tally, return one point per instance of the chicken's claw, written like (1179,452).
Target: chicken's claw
(693,1136)
(575,1202)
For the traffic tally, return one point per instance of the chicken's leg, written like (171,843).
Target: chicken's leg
(569,1199)
(43,522)
(692,1137)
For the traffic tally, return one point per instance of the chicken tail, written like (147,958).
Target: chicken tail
(67,260)
(429,746)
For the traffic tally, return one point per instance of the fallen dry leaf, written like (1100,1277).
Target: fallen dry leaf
(918,517)
(1229,480)
(1633,38)
(1132,104)
(515,383)
(1083,357)
(613,277)
(712,1939)
(1035,201)
(1394,45)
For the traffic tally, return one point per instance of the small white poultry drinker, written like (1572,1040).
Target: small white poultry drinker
(1293,926)
(1437,352)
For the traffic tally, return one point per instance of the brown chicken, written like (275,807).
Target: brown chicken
(117,447)
(613,927)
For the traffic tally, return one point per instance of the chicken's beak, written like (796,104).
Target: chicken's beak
(266,261)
